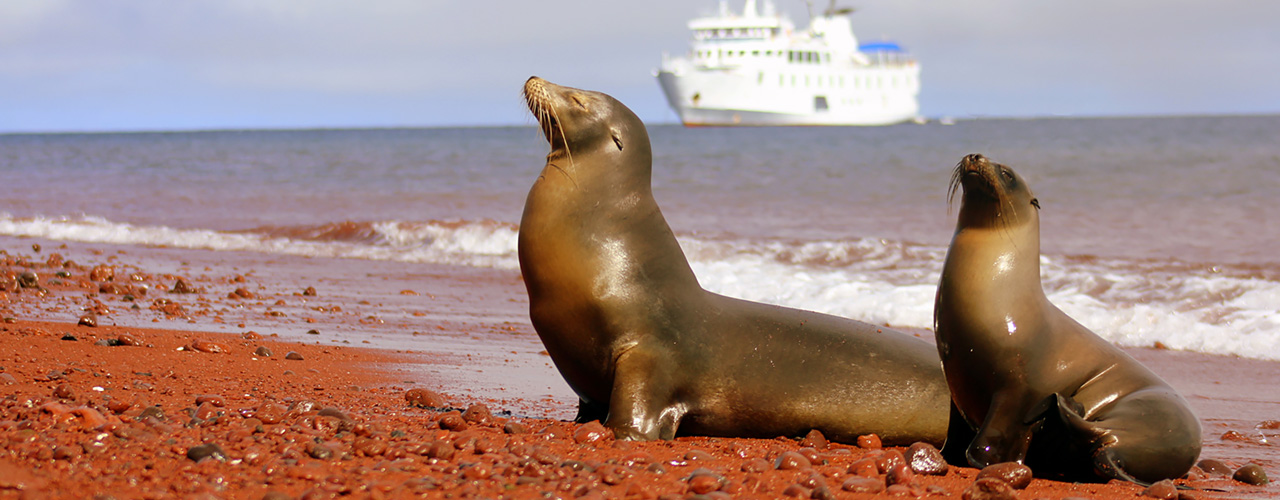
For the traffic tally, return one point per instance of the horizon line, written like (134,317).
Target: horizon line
(335,128)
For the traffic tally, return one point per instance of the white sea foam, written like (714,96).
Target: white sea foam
(481,244)
(1136,303)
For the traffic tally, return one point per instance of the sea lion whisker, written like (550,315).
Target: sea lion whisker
(564,139)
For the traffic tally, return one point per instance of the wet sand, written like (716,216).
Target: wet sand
(125,421)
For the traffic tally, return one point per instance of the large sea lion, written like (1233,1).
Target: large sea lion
(1027,381)
(651,353)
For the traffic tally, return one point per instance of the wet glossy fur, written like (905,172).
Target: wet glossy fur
(654,355)
(1028,383)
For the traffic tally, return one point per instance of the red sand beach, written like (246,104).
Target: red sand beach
(413,380)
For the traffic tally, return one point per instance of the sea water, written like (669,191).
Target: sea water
(1153,230)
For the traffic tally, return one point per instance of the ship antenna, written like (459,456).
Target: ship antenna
(833,11)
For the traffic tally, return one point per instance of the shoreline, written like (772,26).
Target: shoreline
(383,329)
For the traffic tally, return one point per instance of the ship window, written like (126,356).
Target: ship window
(820,103)
(760,79)
(755,52)
(768,52)
(742,52)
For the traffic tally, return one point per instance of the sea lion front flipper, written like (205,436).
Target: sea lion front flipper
(640,407)
(1004,436)
(588,412)
(959,435)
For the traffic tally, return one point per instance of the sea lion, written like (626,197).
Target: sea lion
(653,354)
(1027,381)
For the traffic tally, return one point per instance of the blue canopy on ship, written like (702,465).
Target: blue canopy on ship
(881,46)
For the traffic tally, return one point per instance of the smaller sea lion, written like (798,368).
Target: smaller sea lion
(1027,381)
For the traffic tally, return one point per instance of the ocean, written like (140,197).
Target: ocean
(1154,230)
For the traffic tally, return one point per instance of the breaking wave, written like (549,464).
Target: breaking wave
(1187,306)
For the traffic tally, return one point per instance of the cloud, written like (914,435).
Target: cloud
(296,62)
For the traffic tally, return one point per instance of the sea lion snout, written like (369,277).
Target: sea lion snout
(974,160)
(974,172)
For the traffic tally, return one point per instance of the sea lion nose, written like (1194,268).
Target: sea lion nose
(975,158)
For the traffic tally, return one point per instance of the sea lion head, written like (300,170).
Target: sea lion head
(582,124)
(993,195)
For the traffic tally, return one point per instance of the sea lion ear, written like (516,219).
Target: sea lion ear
(617,137)
(1036,203)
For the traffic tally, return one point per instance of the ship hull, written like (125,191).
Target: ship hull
(724,103)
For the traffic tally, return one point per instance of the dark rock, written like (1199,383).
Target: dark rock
(210,450)
(703,481)
(822,493)
(88,320)
(790,460)
(453,421)
(1014,474)
(102,273)
(923,458)
(814,439)
(153,412)
(1163,490)
(425,399)
(271,413)
(28,279)
(319,451)
(900,474)
(69,337)
(591,432)
(513,427)
(182,286)
(293,355)
(209,347)
(989,488)
(858,484)
(478,414)
(1214,467)
(262,351)
(1251,474)
(888,460)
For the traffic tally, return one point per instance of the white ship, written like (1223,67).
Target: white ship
(757,69)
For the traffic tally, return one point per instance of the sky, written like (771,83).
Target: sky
(125,65)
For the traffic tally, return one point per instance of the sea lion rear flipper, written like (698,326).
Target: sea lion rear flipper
(959,435)
(1071,445)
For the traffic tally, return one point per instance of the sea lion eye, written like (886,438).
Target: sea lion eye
(578,101)
(1008,176)
(1036,202)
